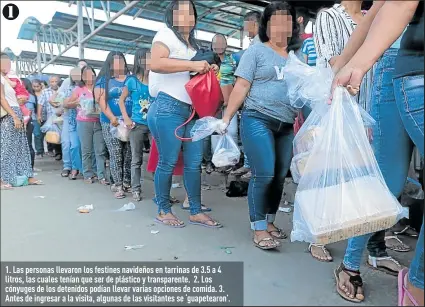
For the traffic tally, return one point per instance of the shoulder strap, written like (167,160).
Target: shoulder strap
(184,124)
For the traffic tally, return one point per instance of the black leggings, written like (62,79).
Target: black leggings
(30,129)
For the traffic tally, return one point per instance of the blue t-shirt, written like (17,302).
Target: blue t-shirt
(309,50)
(114,93)
(141,100)
(261,66)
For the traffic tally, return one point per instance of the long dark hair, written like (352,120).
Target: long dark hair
(271,9)
(28,86)
(139,66)
(106,72)
(169,21)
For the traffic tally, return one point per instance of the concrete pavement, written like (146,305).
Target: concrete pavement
(51,229)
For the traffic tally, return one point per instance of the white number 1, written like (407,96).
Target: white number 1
(10,11)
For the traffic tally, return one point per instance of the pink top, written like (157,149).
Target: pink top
(84,92)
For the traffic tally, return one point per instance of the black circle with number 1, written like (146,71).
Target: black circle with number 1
(10,11)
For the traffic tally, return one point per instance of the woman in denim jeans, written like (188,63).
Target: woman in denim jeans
(267,118)
(172,49)
(71,149)
(408,125)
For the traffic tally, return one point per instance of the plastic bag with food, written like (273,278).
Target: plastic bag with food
(120,132)
(89,108)
(341,193)
(226,153)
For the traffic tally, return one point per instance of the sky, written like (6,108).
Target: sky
(44,11)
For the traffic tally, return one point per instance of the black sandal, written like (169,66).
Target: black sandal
(65,173)
(355,280)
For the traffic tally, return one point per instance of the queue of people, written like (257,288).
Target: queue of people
(377,55)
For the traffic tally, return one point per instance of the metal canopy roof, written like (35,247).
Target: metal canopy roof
(62,60)
(218,16)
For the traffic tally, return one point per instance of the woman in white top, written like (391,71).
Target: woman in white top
(172,49)
(15,152)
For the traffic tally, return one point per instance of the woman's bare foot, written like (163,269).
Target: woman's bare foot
(33,181)
(264,240)
(418,294)
(6,186)
(320,252)
(169,219)
(203,219)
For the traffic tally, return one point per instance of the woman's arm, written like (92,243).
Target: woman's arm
(358,37)
(6,105)
(71,102)
(237,98)
(100,98)
(127,120)
(160,63)
(389,24)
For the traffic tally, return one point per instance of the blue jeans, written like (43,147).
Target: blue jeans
(268,145)
(391,145)
(405,120)
(38,138)
(71,149)
(409,92)
(164,116)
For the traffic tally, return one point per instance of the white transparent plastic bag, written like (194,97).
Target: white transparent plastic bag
(226,152)
(121,132)
(341,193)
(204,127)
(89,108)
(307,85)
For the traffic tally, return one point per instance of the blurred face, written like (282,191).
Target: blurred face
(54,83)
(279,28)
(36,87)
(184,17)
(146,62)
(219,44)
(76,74)
(118,66)
(250,28)
(5,65)
(88,77)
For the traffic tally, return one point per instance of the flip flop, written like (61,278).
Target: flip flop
(355,280)
(407,231)
(282,235)
(204,223)
(372,262)
(157,220)
(203,208)
(402,289)
(266,247)
(37,182)
(405,248)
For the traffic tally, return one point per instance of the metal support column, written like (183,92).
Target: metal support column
(80,30)
(38,54)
